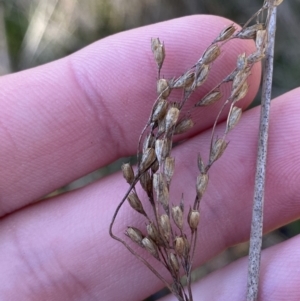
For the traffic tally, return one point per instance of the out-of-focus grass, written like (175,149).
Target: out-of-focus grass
(35,32)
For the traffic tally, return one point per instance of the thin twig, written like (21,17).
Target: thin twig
(258,202)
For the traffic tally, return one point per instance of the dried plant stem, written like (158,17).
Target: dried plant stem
(165,236)
(258,202)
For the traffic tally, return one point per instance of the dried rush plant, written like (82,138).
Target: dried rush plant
(166,237)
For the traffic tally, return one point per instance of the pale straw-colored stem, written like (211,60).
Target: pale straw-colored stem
(258,201)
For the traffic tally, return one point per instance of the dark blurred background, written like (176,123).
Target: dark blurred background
(34,32)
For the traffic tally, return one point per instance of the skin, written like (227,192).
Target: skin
(63,120)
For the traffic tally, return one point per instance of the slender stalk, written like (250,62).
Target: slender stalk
(258,202)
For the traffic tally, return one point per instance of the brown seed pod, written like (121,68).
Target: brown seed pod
(146,182)
(153,233)
(163,88)
(250,31)
(202,75)
(147,160)
(159,110)
(173,262)
(165,226)
(181,246)
(149,142)
(128,173)
(135,235)
(171,117)
(217,150)
(151,247)
(155,43)
(158,50)
(239,88)
(210,54)
(161,189)
(201,165)
(239,79)
(183,126)
(161,127)
(161,149)
(184,81)
(155,167)
(225,34)
(209,99)
(135,203)
(169,169)
(260,40)
(193,219)
(201,185)
(240,93)
(177,216)
(233,118)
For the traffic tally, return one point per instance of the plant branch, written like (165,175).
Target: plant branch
(258,201)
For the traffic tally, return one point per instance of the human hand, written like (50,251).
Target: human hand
(63,120)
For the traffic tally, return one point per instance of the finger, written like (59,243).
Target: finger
(63,120)
(279,279)
(63,244)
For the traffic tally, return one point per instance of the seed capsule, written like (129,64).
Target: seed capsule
(250,32)
(240,93)
(158,50)
(155,167)
(233,118)
(181,246)
(183,126)
(209,99)
(146,182)
(225,34)
(173,262)
(177,216)
(151,247)
(163,88)
(201,165)
(202,76)
(211,54)
(135,203)
(260,40)
(161,189)
(147,160)
(154,234)
(149,142)
(128,173)
(184,81)
(171,117)
(193,219)
(239,79)
(135,235)
(169,169)
(217,150)
(201,185)
(161,149)
(159,110)
(165,225)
